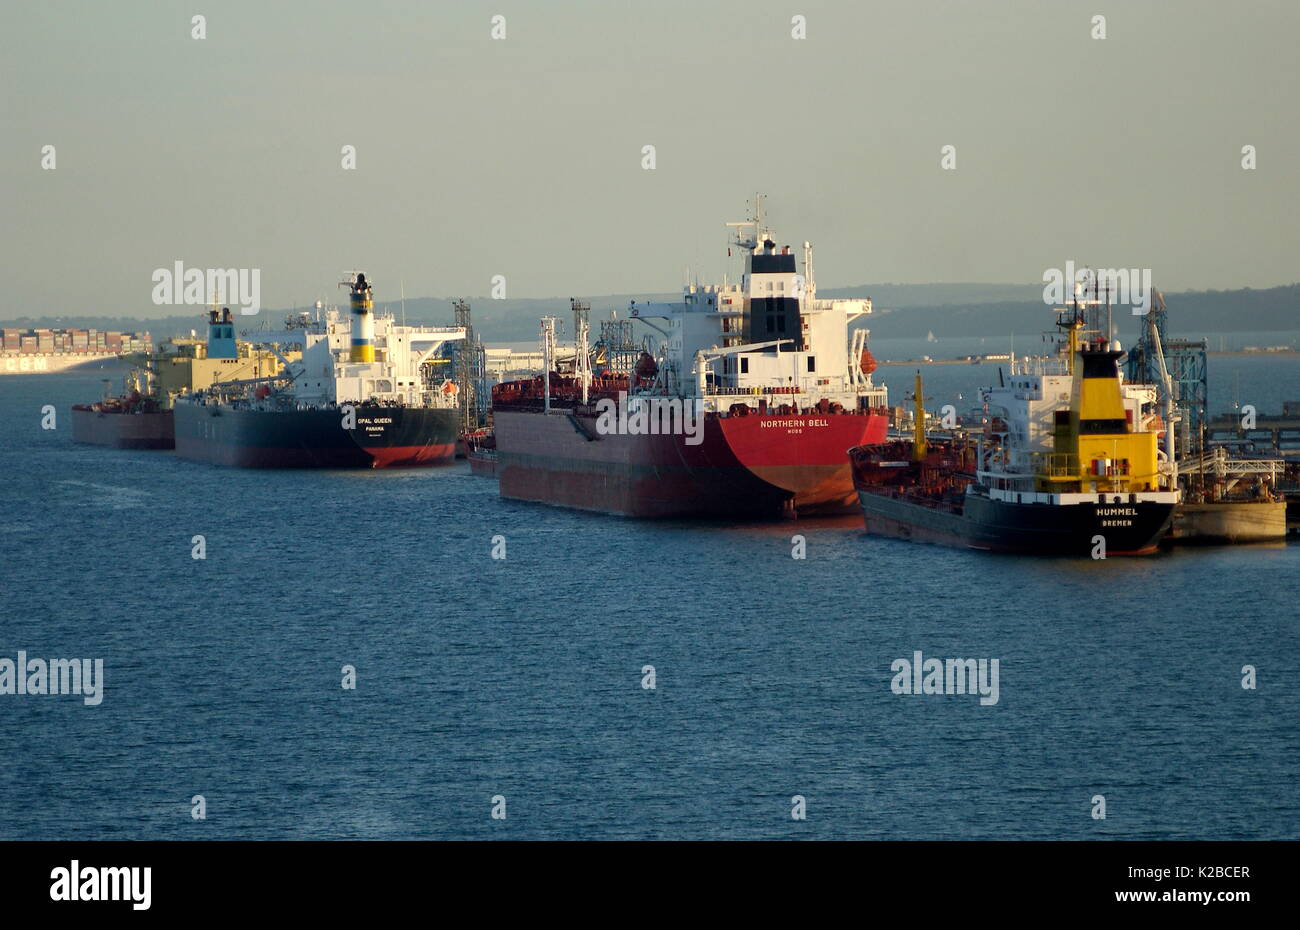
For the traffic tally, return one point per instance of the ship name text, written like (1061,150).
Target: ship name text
(793,423)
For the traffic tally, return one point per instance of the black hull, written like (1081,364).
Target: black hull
(1026,529)
(383,437)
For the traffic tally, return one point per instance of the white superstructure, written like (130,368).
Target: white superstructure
(1064,429)
(1023,409)
(768,334)
(326,374)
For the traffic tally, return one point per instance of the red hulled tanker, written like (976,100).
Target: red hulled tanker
(131,421)
(740,401)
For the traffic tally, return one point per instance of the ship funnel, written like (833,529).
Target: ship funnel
(221,335)
(363,320)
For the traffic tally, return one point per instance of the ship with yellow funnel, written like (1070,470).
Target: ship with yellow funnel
(1068,462)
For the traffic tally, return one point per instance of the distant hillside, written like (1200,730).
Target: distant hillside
(938,295)
(1190,314)
(512,320)
(902,310)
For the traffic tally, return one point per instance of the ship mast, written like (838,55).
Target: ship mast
(582,328)
(548,359)
(918,425)
(756,221)
(809,285)
(1166,385)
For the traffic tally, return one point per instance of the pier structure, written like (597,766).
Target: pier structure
(1280,433)
(1186,362)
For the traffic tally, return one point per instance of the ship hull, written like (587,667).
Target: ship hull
(117,430)
(741,467)
(383,437)
(1229,523)
(482,464)
(1027,529)
(49,363)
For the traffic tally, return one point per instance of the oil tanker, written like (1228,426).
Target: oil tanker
(361,395)
(740,400)
(481,451)
(133,420)
(141,417)
(1067,463)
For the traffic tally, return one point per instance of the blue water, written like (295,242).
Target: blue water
(481,677)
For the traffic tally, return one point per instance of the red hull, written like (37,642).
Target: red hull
(485,466)
(123,430)
(406,456)
(752,466)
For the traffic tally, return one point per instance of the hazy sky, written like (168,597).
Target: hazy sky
(523,157)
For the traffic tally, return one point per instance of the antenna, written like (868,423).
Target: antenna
(755,221)
(1109,322)
(809,285)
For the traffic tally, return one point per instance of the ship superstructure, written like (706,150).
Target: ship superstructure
(361,358)
(183,365)
(768,337)
(776,380)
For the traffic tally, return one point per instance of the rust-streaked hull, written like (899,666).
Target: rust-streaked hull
(743,467)
(483,463)
(119,430)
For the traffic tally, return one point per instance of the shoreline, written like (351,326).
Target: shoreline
(1229,353)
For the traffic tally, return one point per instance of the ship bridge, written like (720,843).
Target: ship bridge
(767,334)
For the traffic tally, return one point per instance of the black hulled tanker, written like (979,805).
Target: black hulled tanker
(361,396)
(250,437)
(1067,464)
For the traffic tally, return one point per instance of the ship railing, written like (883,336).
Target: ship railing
(762,391)
(1040,365)
(1054,464)
(752,392)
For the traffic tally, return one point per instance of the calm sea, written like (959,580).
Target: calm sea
(522,678)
